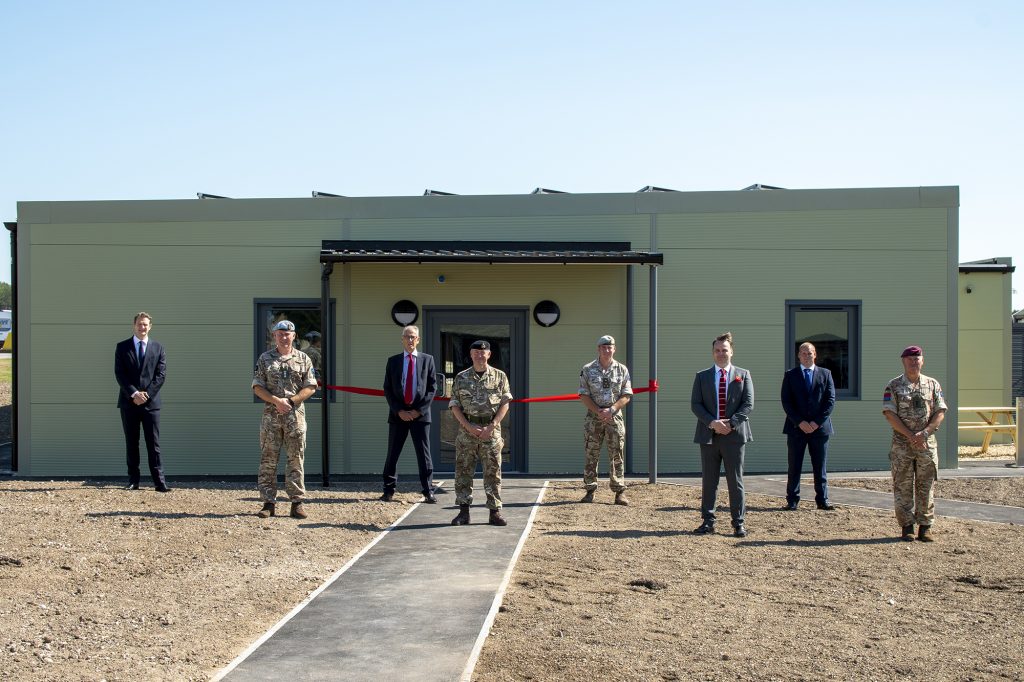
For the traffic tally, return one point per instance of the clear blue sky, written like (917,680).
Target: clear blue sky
(130,100)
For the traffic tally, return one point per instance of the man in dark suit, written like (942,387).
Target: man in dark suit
(140,369)
(722,400)
(808,396)
(409,388)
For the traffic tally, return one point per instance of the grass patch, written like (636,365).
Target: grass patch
(5,372)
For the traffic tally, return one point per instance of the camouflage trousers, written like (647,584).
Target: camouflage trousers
(289,431)
(913,481)
(596,432)
(469,451)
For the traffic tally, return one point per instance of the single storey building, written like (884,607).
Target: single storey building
(862,273)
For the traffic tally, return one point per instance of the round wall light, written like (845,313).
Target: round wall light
(404,313)
(546,313)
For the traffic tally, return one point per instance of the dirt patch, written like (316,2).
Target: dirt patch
(807,595)
(100,583)
(972,452)
(1006,491)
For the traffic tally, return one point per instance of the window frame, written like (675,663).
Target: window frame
(258,334)
(855,316)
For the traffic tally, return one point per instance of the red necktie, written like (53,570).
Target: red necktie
(409,379)
(721,394)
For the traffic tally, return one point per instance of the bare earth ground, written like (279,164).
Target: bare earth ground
(97,583)
(100,583)
(602,592)
(1005,491)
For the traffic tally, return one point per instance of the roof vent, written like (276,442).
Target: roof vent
(652,188)
(438,193)
(327,194)
(544,190)
(204,195)
(758,185)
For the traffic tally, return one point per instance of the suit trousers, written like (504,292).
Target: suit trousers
(817,445)
(134,418)
(712,457)
(397,434)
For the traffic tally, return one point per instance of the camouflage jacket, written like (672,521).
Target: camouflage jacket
(283,375)
(605,386)
(913,403)
(480,396)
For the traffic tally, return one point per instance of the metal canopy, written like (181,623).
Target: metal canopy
(523,252)
(402,251)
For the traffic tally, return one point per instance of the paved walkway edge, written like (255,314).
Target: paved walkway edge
(305,602)
(485,630)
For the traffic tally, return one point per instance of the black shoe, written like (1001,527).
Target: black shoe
(132,486)
(388,496)
(705,528)
(827,507)
(428,498)
(163,489)
(740,531)
(791,506)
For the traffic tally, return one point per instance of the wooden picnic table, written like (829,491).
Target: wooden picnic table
(993,420)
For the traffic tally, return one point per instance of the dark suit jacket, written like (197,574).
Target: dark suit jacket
(738,405)
(802,405)
(131,378)
(426,387)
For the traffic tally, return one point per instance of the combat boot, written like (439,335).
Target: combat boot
(620,498)
(463,518)
(496,519)
(267,511)
(924,534)
(298,512)
(589,497)
(908,533)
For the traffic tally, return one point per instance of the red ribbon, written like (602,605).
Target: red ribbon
(652,387)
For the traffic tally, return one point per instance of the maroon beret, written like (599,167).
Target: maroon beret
(911,350)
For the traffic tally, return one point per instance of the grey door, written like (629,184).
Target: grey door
(448,332)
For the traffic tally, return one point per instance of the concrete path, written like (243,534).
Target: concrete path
(415,605)
(774,485)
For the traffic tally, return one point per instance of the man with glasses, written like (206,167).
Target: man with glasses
(409,388)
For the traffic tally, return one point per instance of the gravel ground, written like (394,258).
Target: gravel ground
(1005,491)
(100,583)
(602,592)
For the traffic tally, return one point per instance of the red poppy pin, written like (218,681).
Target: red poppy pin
(738,378)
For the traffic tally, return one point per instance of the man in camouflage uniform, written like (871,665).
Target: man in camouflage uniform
(480,398)
(605,389)
(913,405)
(283,379)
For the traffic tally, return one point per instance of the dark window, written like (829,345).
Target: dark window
(305,315)
(834,329)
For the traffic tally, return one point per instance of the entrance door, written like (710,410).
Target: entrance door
(450,331)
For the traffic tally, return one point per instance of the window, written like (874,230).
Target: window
(834,329)
(305,315)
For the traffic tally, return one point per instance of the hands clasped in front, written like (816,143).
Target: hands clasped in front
(721,427)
